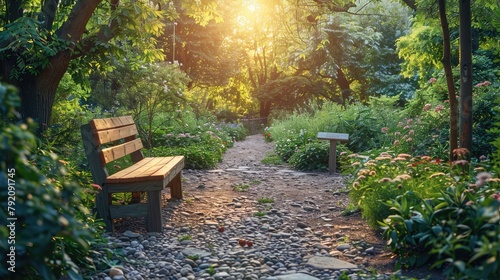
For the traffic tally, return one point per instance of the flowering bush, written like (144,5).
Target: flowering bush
(430,211)
(381,176)
(425,134)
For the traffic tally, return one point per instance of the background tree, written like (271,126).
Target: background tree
(41,40)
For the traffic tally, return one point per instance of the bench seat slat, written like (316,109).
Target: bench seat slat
(177,161)
(148,169)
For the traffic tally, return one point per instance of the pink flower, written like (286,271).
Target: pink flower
(411,132)
(406,127)
(409,139)
(396,142)
(427,107)
(385,129)
(409,121)
(438,108)
(432,80)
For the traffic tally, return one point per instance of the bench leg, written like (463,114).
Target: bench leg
(332,161)
(155,218)
(176,186)
(102,202)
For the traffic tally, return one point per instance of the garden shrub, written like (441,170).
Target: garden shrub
(496,143)
(196,156)
(362,123)
(484,115)
(285,148)
(426,134)
(49,239)
(381,176)
(431,211)
(312,156)
(456,229)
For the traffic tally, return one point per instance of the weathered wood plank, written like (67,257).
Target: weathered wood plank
(99,174)
(145,171)
(113,153)
(130,210)
(155,218)
(107,123)
(115,178)
(341,137)
(175,186)
(149,169)
(140,186)
(173,162)
(110,135)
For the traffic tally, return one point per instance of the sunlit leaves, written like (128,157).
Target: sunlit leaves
(421,50)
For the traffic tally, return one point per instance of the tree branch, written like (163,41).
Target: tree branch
(411,4)
(105,34)
(49,9)
(72,29)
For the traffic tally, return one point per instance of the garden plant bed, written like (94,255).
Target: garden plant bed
(289,216)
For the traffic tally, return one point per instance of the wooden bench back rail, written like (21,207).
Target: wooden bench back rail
(109,139)
(113,129)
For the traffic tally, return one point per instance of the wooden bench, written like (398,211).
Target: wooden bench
(109,139)
(334,138)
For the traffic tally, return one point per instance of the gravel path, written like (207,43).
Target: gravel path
(293,221)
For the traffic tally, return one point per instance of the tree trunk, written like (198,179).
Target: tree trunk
(38,92)
(344,86)
(452,95)
(265,108)
(465,75)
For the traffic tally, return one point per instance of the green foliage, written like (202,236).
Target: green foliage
(425,134)
(211,270)
(50,240)
(285,148)
(456,228)
(264,200)
(421,50)
(363,123)
(196,156)
(184,237)
(68,114)
(202,141)
(379,177)
(272,159)
(312,156)
(430,211)
(241,187)
(484,115)
(260,214)
(496,143)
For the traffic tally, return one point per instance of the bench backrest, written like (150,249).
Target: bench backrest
(111,130)
(99,133)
